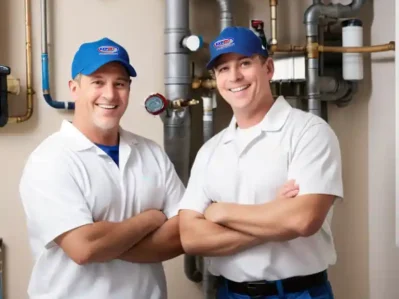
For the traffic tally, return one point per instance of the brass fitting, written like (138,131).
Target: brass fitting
(312,49)
(178,104)
(204,83)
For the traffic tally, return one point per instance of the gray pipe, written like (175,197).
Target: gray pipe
(311,20)
(43,7)
(226,18)
(177,124)
(177,86)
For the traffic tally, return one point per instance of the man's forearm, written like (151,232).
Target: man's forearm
(103,241)
(278,220)
(202,237)
(161,245)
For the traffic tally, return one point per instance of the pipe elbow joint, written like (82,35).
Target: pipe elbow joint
(312,14)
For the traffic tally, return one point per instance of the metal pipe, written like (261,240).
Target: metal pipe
(29,81)
(333,49)
(315,11)
(311,20)
(207,118)
(45,69)
(273,21)
(287,48)
(226,17)
(367,49)
(177,123)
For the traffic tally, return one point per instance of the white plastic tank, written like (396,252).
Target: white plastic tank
(352,36)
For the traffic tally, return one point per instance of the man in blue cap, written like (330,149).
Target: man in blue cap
(262,243)
(100,202)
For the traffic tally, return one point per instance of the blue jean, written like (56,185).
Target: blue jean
(320,292)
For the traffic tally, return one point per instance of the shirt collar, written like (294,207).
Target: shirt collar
(79,142)
(273,121)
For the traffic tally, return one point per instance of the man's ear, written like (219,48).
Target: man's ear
(269,64)
(73,88)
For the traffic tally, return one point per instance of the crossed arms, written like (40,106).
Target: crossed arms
(145,238)
(228,228)
(224,229)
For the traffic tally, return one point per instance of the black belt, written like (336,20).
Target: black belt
(266,288)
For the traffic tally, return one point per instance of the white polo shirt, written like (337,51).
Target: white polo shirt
(69,182)
(287,144)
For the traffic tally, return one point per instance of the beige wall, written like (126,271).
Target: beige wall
(364,224)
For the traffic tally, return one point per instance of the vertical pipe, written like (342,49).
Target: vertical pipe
(29,75)
(177,86)
(207,117)
(1,269)
(226,18)
(45,69)
(273,21)
(312,84)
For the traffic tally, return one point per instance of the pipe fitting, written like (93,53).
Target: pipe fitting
(315,11)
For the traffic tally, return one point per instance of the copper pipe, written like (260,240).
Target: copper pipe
(367,49)
(312,48)
(29,89)
(273,21)
(288,48)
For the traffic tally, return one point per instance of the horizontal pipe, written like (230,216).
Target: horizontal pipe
(332,49)
(366,49)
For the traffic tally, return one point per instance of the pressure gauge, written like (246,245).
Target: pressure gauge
(155,104)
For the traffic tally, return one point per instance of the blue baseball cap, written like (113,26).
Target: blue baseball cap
(240,40)
(93,55)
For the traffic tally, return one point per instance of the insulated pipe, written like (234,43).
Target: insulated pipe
(226,18)
(311,20)
(207,117)
(45,71)
(177,86)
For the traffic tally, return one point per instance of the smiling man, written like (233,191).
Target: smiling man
(261,244)
(101,203)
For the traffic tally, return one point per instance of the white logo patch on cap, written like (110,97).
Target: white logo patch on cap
(224,43)
(108,50)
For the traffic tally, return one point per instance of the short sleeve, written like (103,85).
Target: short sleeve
(174,189)
(195,197)
(316,162)
(52,199)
